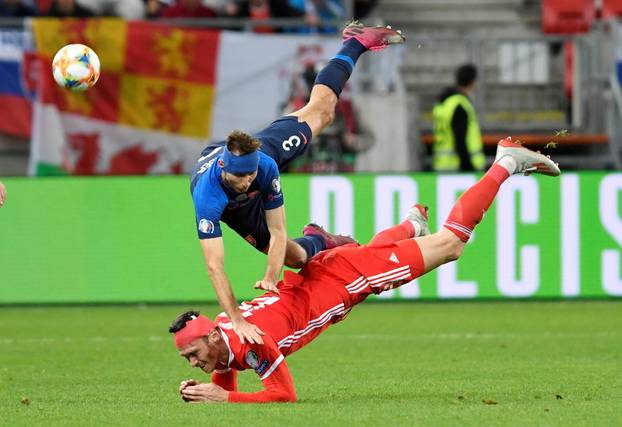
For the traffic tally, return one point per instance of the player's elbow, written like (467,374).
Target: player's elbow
(214,268)
(327,116)
(285,396)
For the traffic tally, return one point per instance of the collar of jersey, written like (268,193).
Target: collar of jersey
(226,339)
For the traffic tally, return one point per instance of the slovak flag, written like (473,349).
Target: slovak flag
(15,91)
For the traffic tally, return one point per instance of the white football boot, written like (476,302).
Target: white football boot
(418,214)
(527,161)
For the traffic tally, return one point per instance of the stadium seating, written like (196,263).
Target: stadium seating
(567,16)
(611,9)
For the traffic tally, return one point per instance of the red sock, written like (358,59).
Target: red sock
(405,230)
(471,206)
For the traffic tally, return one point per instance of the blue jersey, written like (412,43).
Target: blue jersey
(282,141)
(214,200)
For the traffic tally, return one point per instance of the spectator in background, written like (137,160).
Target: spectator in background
(261,9)
(329,10)
(316,11)
(69,8)
(457,137)
(126,9)
(153,8)
(16,8)
(188,9)
(363,7)
(2,194)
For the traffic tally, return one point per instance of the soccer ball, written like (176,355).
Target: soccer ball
(76,67)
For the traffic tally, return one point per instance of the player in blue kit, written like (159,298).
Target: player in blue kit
(237,181)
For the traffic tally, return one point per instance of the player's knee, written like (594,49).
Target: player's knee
(455,249)
(327,115)
(295,260)
(294,263)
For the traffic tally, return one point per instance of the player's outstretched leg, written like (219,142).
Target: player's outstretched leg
(330,240)
(357,39)
(511,159)
(414,225)
(314,240)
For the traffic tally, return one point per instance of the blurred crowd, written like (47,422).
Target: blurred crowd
(313,12)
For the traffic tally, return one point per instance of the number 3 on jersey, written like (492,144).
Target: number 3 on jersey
(293,141)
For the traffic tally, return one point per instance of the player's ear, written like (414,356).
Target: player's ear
(214,336)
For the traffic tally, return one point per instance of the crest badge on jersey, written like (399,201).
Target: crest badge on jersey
(276,185)
(262,367)
(206,226)
(252,359)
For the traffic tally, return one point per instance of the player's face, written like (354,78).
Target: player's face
(240,183)
(201,355)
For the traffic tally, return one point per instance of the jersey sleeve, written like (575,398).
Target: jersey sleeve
(271,187)
(227,379)
(269,363)
(208,210)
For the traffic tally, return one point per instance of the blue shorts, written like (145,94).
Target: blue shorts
(284,140)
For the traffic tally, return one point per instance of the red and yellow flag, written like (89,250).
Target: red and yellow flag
(153,77)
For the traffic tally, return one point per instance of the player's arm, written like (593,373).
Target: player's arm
(278,386)
(269,364)
(267,361)
(214,254)
(226,379)
(276,253)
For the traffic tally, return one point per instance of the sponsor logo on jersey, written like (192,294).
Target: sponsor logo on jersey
(276,185)
(393,258)
(262,367)
(250,239)
(206,226)
(251,359)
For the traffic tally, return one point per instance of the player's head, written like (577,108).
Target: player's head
(199,341)
(466,75)
(240,160)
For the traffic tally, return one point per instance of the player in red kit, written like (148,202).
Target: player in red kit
(330,285)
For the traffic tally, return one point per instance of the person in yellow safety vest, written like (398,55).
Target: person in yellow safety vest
(457,137)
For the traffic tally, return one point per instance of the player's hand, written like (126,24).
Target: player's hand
(185,384)
(247,332)
(207,393)
(2,194)
(267,285)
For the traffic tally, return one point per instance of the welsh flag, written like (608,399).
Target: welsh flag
(163,94)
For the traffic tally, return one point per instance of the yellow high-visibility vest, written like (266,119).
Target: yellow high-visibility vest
(446,158)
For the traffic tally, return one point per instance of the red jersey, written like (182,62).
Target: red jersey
(320,294)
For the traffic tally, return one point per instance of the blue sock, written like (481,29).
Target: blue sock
(312,244)
(337,72)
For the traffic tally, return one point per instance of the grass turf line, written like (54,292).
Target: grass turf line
(551,363)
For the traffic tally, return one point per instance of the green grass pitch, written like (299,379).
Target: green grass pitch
(459,363)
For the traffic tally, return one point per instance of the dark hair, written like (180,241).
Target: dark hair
(242,143)
(466,74)
(180,322)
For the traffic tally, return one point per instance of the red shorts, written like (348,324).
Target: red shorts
(359,271)
(330,284)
